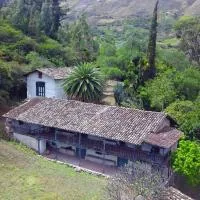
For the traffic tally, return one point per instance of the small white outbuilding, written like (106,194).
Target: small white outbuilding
(47,82)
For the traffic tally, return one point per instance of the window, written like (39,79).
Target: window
(39,74)
(155,150)
(40,89)
(21,123)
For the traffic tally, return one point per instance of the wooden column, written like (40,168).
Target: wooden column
(55,138)
(104,154)
(55,135)
(39,145)
(79,147)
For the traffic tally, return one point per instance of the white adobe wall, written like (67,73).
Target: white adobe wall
(59,89)
(31,142)
(50,85)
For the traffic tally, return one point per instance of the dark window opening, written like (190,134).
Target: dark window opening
(123,144)
(155,150)
(39,74)
(85,136)
(69,148)
(40,89)
(21,123)
(99,153)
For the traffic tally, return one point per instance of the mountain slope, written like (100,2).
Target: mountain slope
(194,9)
(108,11)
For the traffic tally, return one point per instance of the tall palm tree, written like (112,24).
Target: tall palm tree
(86,83)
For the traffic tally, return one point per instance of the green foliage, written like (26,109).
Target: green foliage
(53,50)
(160,91)
(186,161)
(187,115)
(85,83)
(112,72)
(151,53)
(36,61)
(188,29)
(34,17)
(78,36)
(136,40)
(188,83)
(172,57)
(25,45)
(8,34)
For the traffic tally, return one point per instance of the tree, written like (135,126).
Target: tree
(188,29)
(159,91)
(82,41)
(46,17)
(135,180)
(5,82)
(21,15)
(187,115)
(186,161)
(151,71)
(85,83)
(188,83)
(35,16)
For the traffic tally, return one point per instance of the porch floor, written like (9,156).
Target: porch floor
(82,163)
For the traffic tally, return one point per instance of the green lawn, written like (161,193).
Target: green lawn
(24,175)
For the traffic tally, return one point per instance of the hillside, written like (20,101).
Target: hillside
(108,11)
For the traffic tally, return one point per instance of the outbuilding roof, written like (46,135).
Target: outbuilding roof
(53,72)
(117,123)
(166,138)
(174,194)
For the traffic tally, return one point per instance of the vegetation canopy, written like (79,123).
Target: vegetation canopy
(86,83)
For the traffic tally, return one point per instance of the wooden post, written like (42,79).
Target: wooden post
(104,154)
(55,138)
(39,145)
(79,147)
(55,135)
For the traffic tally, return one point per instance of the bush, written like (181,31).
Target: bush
(112,73)
(37,61)
(25,45)
(53,51)
(186,113)
(186,161)
(9,34)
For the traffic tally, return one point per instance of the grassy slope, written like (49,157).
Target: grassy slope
(24,175)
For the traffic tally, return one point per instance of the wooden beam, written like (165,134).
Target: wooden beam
(104,154)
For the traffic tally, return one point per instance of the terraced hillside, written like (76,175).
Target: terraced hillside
(109,11)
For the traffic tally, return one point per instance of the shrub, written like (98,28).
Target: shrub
(186,161)
(53,51)
(112,72)
(9,34)
(26,45)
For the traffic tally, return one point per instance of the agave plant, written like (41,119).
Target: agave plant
(86,83)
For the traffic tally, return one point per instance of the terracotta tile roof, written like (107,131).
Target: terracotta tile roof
(124,124)
(174,194)
(55,73)
(166,138)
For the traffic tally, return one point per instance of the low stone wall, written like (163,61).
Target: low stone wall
(31,142)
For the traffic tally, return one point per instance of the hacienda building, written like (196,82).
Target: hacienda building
(47,82)
(104,134)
